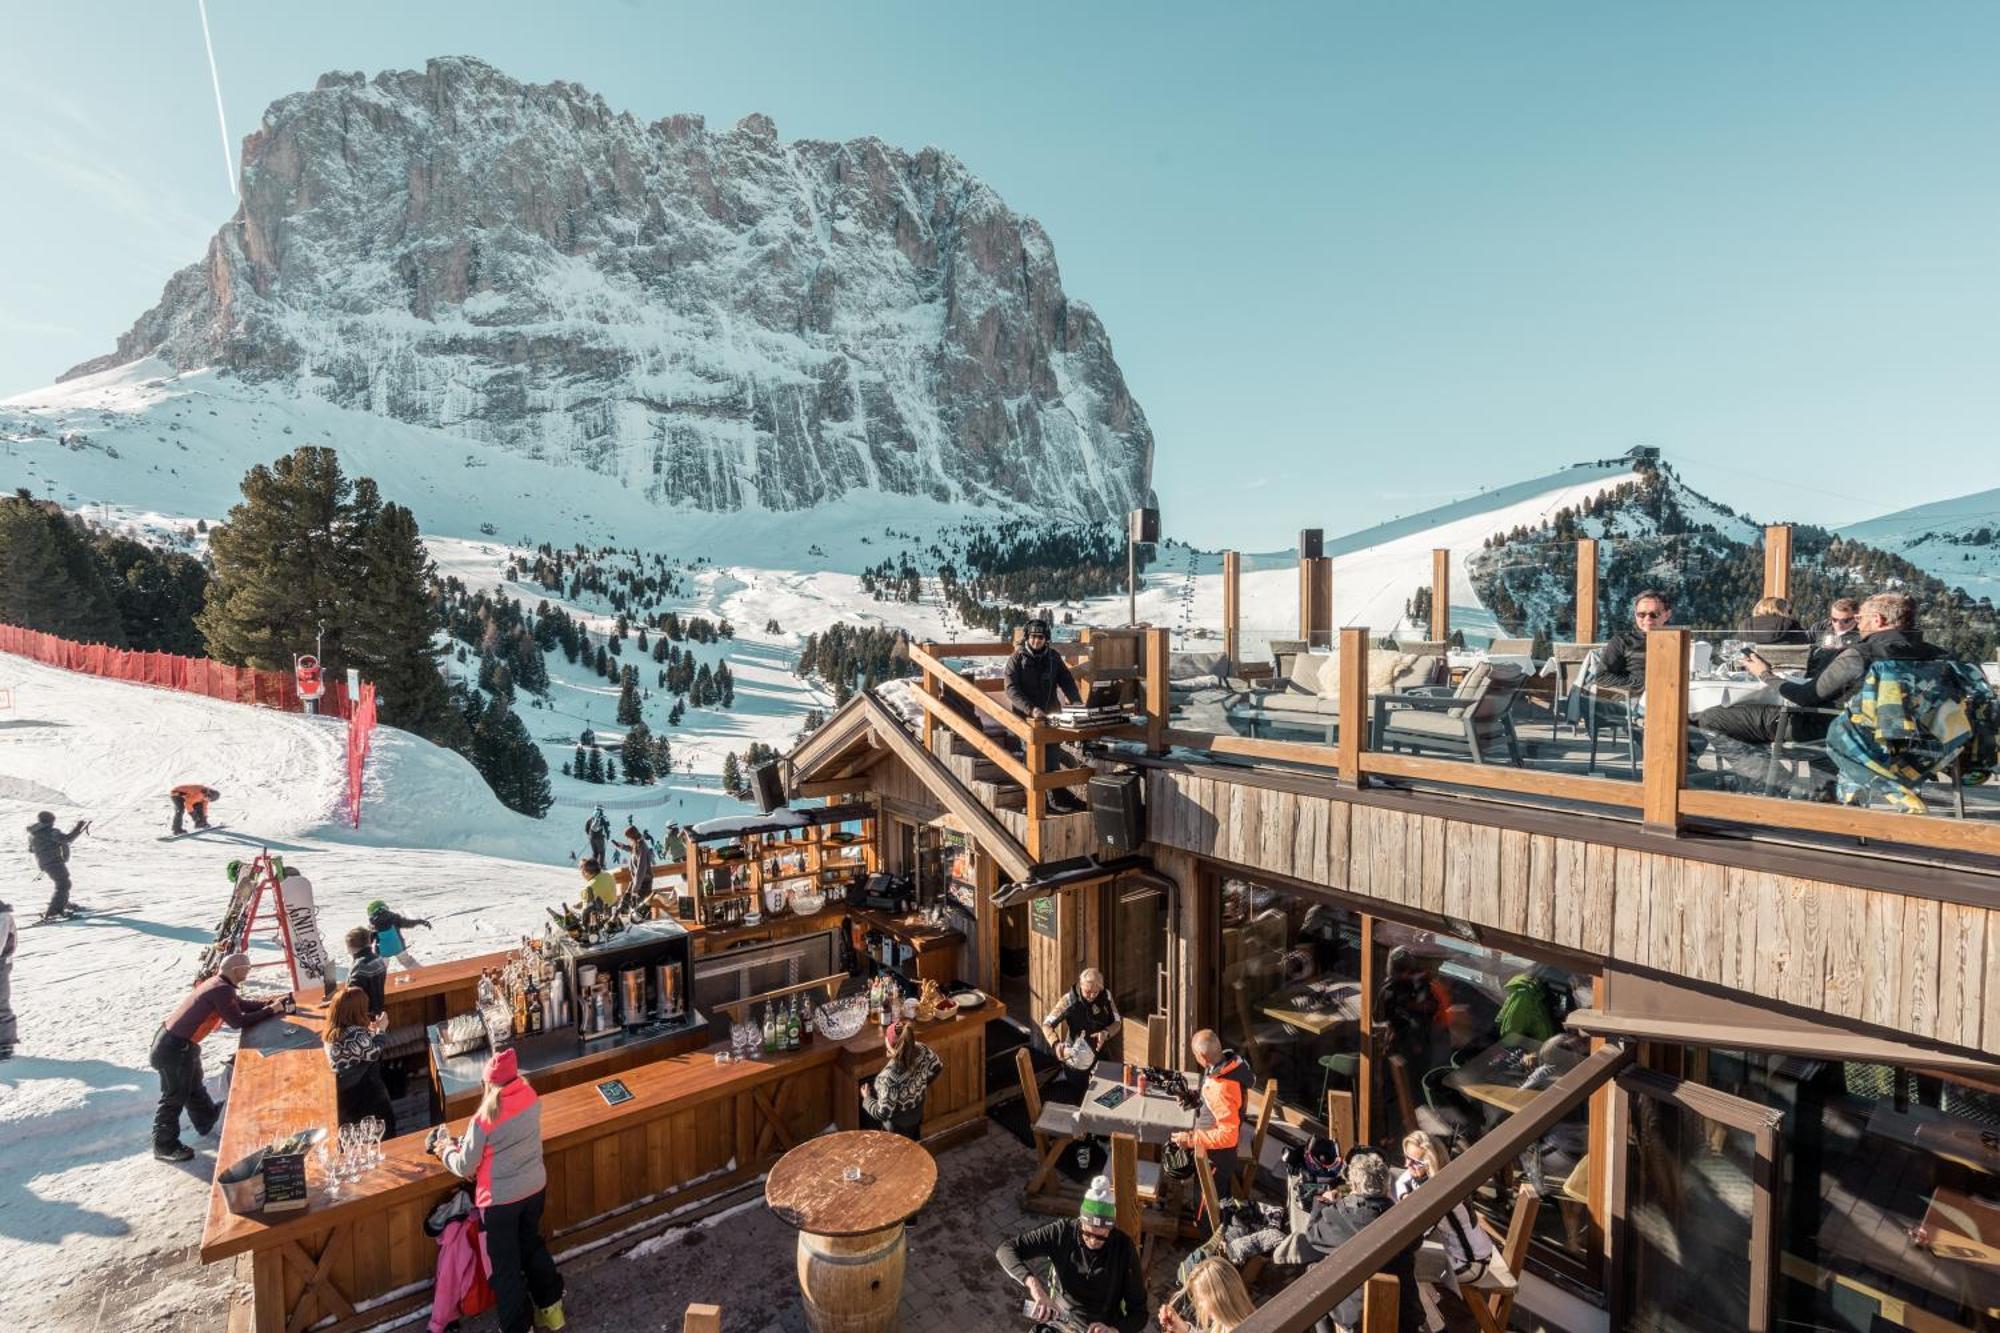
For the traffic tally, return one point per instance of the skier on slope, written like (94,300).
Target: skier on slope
(191,798)
(51,848)
(598,829)
(389,927)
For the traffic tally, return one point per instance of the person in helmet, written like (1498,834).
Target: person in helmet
(1037,677)
(388,927)
(50,847)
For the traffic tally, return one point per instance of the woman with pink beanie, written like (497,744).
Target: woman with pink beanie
(501,1153)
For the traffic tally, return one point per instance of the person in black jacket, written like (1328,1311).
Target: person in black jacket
(354,1050)
(1092,1268)
(1622,659)
(51,848)
(1037,677)
(1772,622)
(1743,731)
(366,970)
(1337,1220)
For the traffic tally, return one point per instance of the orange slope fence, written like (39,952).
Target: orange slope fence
(216,680)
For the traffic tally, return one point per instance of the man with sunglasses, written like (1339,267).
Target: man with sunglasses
(1843,625)
(1081,1271)
(1622,660)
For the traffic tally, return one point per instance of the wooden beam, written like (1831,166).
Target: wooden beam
(966,728)
(1956,835)
(1353,703)
(1232,606)
(1158,702)
(1316,601)
(1586,590)
(991,835)
(965,689)
(848,786)
(1495,777)
(1440,627)
(1251,747)
(931,688)
(1666,728)
(1778,560)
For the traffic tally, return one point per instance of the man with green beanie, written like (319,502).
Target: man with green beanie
(1092,1269)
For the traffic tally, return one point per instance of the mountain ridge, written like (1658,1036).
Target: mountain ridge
(720,320)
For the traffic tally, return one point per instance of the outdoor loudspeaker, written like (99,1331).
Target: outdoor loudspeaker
(1143,525)
(1117,813)
(768,786)
(1312,543)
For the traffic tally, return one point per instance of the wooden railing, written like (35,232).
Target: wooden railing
(1101,655)
(1663,797)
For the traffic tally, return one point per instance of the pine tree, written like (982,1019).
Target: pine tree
(50,579)
(663,757)
(725,684)
(704,687)
(506,756)
(578,764)
(286,561)
(389,623)
(642,639)
(637,752)
(603,662)
(675,715)
(595,770)
(732,774)
(610,769)
(628,703)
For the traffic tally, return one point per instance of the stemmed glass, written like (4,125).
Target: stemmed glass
(329,1163)
(371,1142)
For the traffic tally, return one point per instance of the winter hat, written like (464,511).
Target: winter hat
(503,1068)
(1098,1203)
(376,906)
(234,870)
(232,961)
(46,817)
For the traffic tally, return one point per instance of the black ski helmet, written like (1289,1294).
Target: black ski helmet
(46,817)
(1036,626)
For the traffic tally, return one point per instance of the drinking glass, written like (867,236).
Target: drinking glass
(329,1159)
(371,1142)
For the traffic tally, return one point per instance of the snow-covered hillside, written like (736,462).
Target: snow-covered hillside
(80,1196)
(1956,540)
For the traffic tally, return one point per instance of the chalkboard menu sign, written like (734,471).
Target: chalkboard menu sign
(285,1182)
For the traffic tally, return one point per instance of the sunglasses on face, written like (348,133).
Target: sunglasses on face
(1648,615)
(1096,1228)
(1843,620)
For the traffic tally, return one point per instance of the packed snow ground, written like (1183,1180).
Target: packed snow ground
(93,1231)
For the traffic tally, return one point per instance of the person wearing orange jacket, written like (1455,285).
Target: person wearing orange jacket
(1225,1086)
(191,798)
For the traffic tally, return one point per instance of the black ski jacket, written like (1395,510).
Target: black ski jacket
(51,847)
(1034,679)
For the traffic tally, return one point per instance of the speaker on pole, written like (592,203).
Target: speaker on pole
(1143,525)
(1312,543)
(1117,812)
(768,786)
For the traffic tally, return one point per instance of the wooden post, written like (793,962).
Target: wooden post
(1440,629)
(934,690)
(1232,607)
(1364,1076)
(1316,601)
(1125,1184)
(1379,1302)
(1778,560)
(1586,590)
(1666,727)
(1037,807)
(1158,704)
(1353,703)
(702,1319)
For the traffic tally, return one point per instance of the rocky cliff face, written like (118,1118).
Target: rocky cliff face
(723,320)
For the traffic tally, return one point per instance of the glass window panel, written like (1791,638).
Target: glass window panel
(1689,1203)
(1290,999)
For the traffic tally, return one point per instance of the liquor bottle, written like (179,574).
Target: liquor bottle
(792,1025)
(770,1032)
(810,1026)
(534,1000)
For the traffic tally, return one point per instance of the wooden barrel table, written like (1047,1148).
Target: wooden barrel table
(849,1195)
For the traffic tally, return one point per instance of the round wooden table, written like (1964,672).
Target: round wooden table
(851,1231)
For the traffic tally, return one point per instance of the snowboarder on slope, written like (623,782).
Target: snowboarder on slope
(389,928)
(597,828)
(51,848)
(191,798)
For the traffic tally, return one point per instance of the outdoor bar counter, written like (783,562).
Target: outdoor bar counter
(691,1129)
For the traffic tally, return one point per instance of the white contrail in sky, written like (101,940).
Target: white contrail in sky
(228,163)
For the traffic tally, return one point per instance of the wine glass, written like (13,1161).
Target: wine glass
(328,1162)
(371,1142)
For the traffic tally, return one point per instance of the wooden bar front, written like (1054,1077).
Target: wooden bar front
(693,1128)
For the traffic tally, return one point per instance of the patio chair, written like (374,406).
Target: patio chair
(1609,708)
(1421,647)
(1568,658)
(1490,1299)
(1052,1128)
(1511,648)
(1476,715)
(1282,653)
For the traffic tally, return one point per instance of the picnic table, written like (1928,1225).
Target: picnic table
(1128,1118)
(1317,1007)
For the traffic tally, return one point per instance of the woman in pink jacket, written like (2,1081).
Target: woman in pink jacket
(501,1154)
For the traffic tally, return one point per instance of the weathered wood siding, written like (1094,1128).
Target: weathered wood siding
(1900,962)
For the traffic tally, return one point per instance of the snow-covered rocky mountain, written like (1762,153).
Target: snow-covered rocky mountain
(1956,540)
(719,320)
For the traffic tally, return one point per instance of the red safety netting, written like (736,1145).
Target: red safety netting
(360,729)
(171,671)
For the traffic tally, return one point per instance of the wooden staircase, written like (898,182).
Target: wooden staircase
(1063,836)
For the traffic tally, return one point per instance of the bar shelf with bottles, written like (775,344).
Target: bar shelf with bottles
(742,872)
(599,991)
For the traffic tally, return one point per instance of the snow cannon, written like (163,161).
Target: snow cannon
(306,674)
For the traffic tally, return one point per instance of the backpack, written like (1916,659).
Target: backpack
(1912,720)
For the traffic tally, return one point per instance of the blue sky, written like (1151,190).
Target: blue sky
(1355,259)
